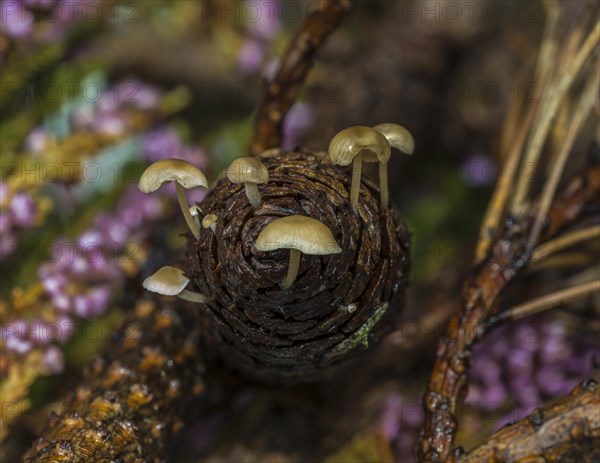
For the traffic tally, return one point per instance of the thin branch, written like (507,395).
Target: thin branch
(565,430)
(565,241)
(545,302)
(282,92)
(582,111)
(497,205)
(506,258)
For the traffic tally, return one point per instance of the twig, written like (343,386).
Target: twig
(545,302)
(565,430)
(565,241)
(497,205)
(281,93)
(582,111)
(507,256)
(557,93)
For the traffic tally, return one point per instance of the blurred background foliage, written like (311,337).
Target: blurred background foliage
(93,90)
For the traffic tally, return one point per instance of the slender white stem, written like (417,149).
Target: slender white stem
(187,295)
(293,266)
(356,176)
(383,186)
(253,194)
(185,208)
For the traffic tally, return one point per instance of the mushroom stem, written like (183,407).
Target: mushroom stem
(185,208)
(293,267)
(253,194)
(356,174)
(383,185)
(188,295)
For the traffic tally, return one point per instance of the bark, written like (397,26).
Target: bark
(567,430)
(136,396)
(508,255)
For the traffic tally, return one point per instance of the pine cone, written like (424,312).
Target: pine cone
(338,305)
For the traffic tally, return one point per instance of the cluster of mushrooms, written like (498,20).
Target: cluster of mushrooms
(299,234)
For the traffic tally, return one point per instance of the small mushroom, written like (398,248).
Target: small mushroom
(170,281)
(250,172)
(298,234)
(210,221)
(195,212)
(184,174)
(401,139)
(357,145)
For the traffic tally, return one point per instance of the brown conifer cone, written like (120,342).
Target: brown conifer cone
(338,305)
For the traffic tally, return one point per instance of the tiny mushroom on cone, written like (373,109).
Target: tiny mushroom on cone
(357,145)
(170,281)
(210,221)
(185,176)
(250,172)
(299,234)
(401,139)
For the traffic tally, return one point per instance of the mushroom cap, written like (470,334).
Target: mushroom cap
(169,281)
(359,139)
(397,136)
(168,170)
(208,220)
(247,169)
(305,234)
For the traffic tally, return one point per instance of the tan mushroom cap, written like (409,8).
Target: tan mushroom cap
(168,281)
(208,220)
(247,169)
(168,170)
(397,136)
(305,234)
(359,139)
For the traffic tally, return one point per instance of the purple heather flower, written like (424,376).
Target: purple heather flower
(251,56)
(64,328)
(540,363)
(111,124)
(115,232)
(161,143)
(136,93)
(16,328)
(400,421)
(40,332)
(16,22)
(99,298)
(267,24)
(37,140)
(53,359)
(479,169)
(298,120)
(61,302)
(17,345)
(23,209)
(38,3)
(91,239)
